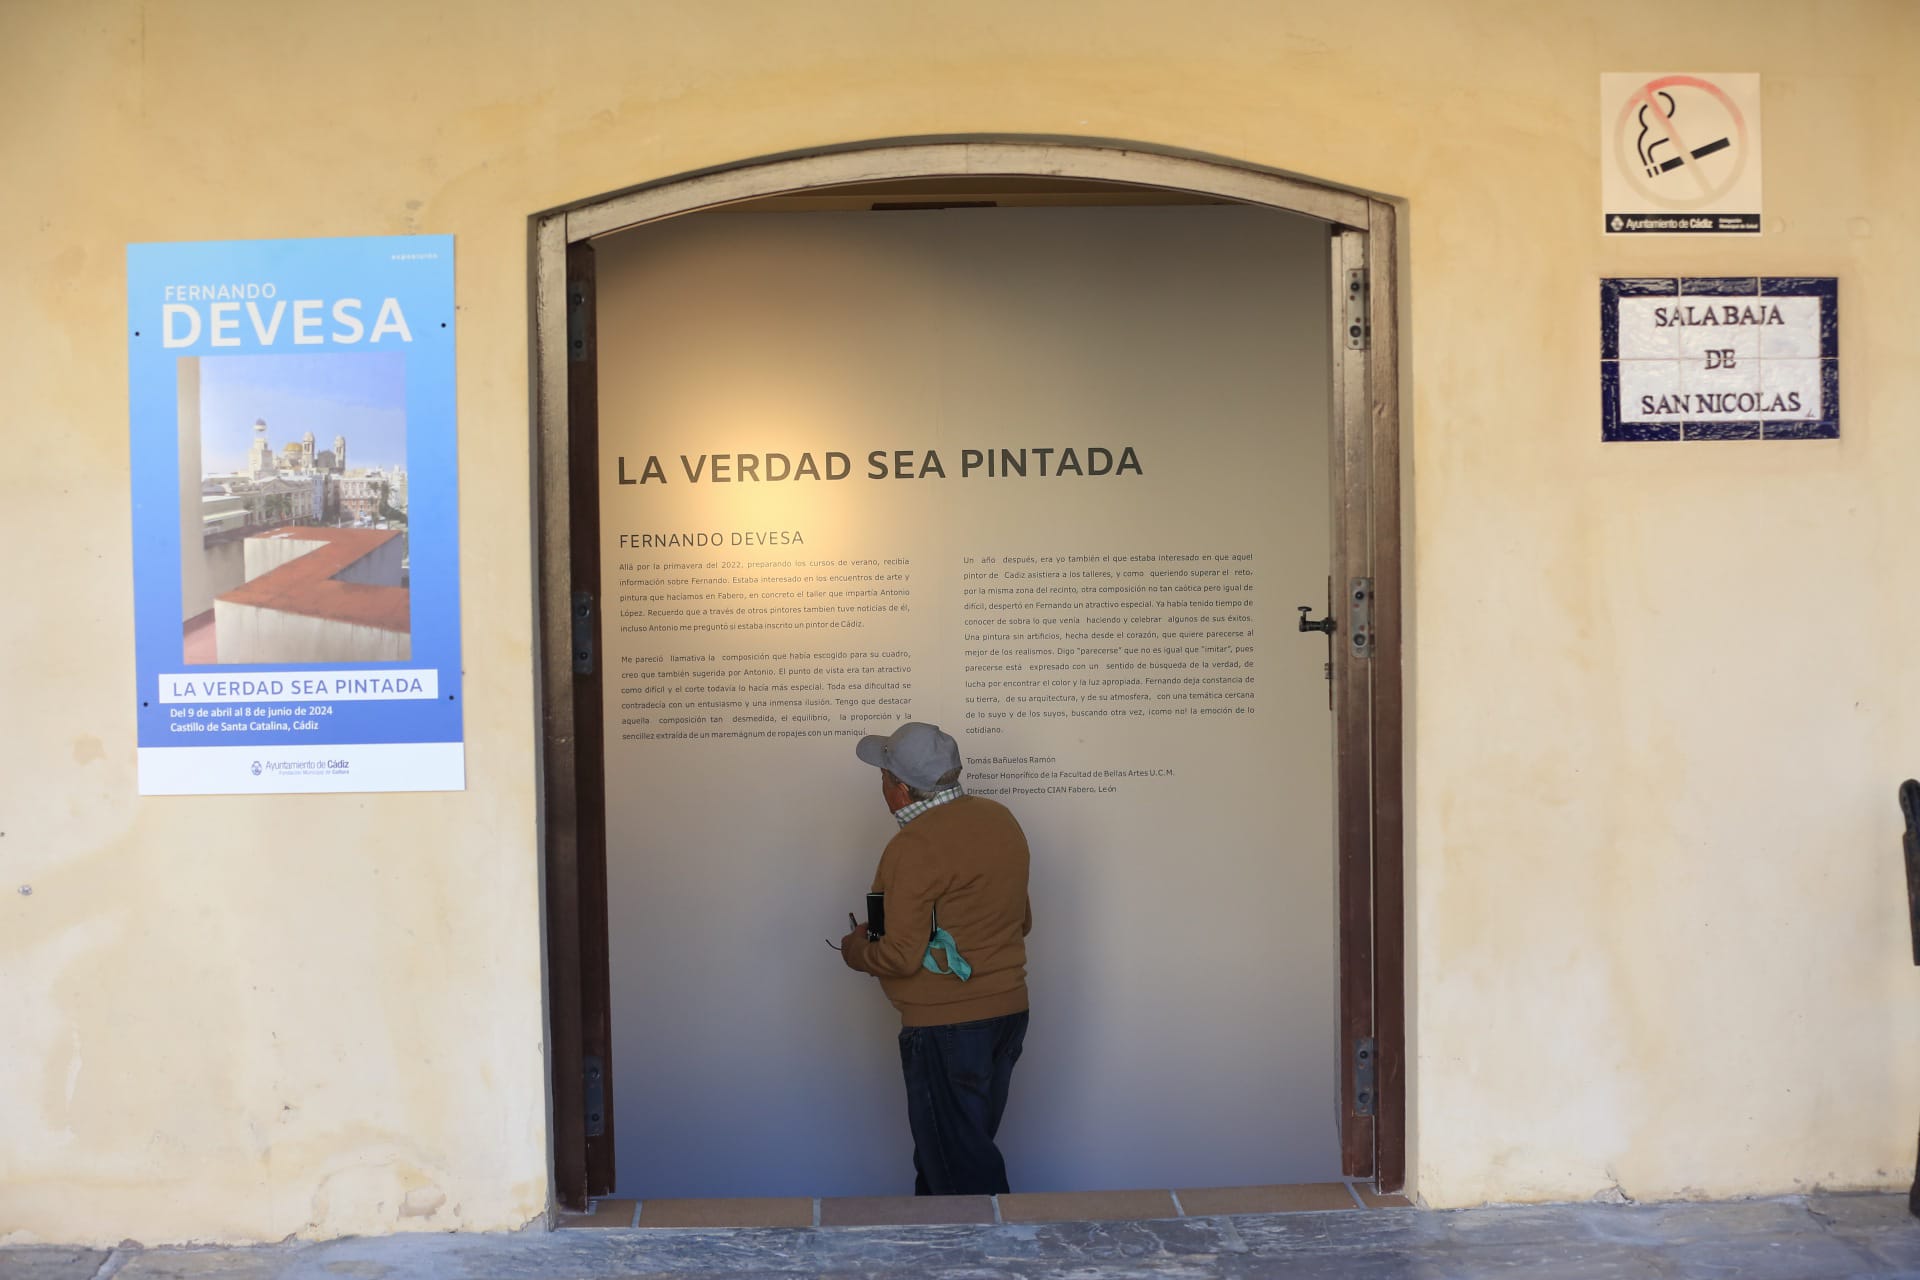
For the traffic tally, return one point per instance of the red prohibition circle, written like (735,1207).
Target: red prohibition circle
(1645,95)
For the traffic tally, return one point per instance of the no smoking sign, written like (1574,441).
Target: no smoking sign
(1680,153)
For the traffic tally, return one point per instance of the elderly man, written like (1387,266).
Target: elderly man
(953,958)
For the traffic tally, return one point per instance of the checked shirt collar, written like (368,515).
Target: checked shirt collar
(934,801)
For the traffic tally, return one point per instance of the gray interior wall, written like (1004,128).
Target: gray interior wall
(1182,963)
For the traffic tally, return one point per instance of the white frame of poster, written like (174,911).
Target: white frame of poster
(297,618)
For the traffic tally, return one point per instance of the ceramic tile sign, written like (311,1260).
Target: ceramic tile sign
(1680,154)
(1720,358)
(296,560)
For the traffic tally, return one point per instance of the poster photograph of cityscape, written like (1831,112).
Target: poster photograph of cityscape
(293,509)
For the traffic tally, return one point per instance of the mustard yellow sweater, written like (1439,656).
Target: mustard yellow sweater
(967,859)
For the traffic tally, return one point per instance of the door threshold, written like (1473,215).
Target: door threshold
(1015,1207)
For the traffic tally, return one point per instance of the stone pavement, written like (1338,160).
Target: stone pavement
(1828,1237)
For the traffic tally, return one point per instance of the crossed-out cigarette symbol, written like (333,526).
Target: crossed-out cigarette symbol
(1662,102)
(1649,119)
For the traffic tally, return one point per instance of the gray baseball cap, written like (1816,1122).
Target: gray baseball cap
(917,754)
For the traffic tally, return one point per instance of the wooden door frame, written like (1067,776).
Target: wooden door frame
(1367,545)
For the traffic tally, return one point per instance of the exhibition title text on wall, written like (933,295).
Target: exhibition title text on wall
(883,464)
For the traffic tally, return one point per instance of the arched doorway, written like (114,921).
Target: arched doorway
(1366,574)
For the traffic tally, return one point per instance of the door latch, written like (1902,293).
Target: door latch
(1326,626)
(1363,1076)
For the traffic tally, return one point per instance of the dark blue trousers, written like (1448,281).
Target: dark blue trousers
(957,1078)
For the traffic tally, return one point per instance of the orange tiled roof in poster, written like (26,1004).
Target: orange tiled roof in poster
(307,585)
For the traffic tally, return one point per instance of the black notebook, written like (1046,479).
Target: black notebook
(876,916)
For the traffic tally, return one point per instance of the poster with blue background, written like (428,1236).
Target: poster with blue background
(295,516)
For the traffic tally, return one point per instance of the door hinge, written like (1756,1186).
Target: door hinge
(1363,1076)
(595,1073)
(583,632)
(1359,329)
(577,323)
(1360,612)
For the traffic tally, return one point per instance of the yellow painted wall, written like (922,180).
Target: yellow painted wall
(1661,698)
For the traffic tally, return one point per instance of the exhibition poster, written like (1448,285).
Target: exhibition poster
(295,516)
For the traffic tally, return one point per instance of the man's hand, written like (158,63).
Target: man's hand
(853,946)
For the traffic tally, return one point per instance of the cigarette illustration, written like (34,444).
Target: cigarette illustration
(1698,153)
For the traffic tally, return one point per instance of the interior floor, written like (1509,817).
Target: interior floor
(1029,1206)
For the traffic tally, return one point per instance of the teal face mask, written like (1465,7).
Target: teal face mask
(943,942)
